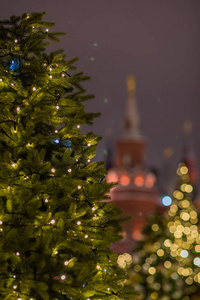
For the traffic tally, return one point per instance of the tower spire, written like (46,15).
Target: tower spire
(131,128)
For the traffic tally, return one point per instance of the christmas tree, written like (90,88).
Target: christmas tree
(166,263)
(55,225)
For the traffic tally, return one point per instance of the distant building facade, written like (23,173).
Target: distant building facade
(136,193)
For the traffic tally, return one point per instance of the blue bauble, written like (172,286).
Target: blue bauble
(15,65)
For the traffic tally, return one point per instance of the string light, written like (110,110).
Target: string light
(50,76)
(16,41)
(78,223)
(79,187)
(46,200)
(69,170)
(53,222)
(78,126)
(14,165)
(14,287)
(1,222)
(1,79)
(53,170)
(56,131)
(66,263)
(86,236)
(50,69)
(34,89)
(89,145)
(57,106)
(88,160)
(47,30)
(63,277)
(18,108)
(17,253)
(98,267)
(15,131)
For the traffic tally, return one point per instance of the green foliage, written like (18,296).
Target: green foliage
(166,262)
(55,226)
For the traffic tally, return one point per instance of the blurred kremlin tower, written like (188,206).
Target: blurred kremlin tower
(136,193)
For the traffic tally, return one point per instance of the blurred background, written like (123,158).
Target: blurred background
(157,41)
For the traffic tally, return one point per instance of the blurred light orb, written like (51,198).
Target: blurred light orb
(197,261)
(184,253)
(166,201)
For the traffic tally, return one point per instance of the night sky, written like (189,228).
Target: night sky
(157,41)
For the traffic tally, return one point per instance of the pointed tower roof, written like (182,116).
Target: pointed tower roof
(131,128)
(188,152)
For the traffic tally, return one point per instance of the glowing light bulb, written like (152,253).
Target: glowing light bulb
(17,253)
(1,79)
(78,126)
(197,261)
(46,200)
(63,277)
(108,289)
(13,165)
(78,223)
(56,131)
(184,253)
(15,131)
(53,222)
(57,141)
(93,208)
(89,145)
(88,160)
(66,263)
(86,236)
(79,187)
(14,276)
(14,287)
(50,69)
(47,30)
(18,108)
(16,41)
(166,201)
(12,84)
(34,89)
(50,76)
(1,222)
(57,106)
(56,252)
(69,170)
(98,267)
(53,170)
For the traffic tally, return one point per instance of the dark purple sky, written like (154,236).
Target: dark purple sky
(157,41)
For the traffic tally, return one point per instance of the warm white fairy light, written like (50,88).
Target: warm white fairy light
(1,79)
(78,126)
(14,276)
(93,208)
(79,187)
(105,270)
(19,298)
(63,277)
(108,289)
(14,287)
(34,89)
(18,108)
(28,144)
(50,69)
(66,263)
(47,30)
(33,27)
(13,165)
(50,76)
(56,252)
(44,65)
(86,236)
(53,222)
(69,170)
(17,253)
(16,41)
(98,267)
(89,144)
(12,84)
(46,200)
(78,223)
(56,131)
(15,131)
(53,170)
(57,106)
(88,160)
(63,75)
(1,222)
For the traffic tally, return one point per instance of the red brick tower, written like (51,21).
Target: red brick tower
(136,194)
